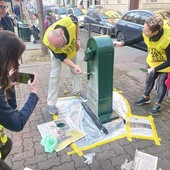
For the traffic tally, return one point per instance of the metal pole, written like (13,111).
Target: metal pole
(44,49)
(21,10)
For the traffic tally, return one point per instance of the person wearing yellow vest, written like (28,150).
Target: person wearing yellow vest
(11,118)
(156,36)
(62,39)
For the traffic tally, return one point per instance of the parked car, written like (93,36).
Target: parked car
(131,24)
(59,12)
(102,21)
(78,13)
(97,7)
(47,8)
(83,10)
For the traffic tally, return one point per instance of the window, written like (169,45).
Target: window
(119,1)
(153,0)
(135,18)
(144,17)
(127,17)
(96,15)
(90,14)
(70,11)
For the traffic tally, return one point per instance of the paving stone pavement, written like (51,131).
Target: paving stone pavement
(28,152)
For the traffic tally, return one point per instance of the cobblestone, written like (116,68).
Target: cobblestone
(28,152)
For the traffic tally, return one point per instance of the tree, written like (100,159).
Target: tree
(44,49)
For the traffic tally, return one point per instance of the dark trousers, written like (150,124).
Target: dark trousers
(4,166)
(5,150)
(11,97)
(162,89)
(35,32)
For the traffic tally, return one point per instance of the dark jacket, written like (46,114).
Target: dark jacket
(6,23)
(16,120)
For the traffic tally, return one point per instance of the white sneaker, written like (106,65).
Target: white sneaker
(53,110)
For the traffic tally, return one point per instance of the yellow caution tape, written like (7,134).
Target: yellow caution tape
(127,135)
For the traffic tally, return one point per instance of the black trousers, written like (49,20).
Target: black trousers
(4,166)
(162,89)
(5,150)
(35,32)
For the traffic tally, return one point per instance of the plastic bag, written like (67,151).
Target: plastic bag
(49,143)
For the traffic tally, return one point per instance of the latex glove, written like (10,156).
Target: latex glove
(89,158)
(151,70)
(127,165)
(77,69)
(118,43)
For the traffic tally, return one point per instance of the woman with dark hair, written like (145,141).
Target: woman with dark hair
(11,49)
(156,36)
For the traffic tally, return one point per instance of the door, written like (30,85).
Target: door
(134,4)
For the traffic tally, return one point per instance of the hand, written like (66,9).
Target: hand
(151,70)
(12,72)
(12,78)
(118,43)
(77,45)
(34,86)
(77,69)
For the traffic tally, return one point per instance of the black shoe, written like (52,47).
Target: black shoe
(155,110)
(53,110)
(142,100)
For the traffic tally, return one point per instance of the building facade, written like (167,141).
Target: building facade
(125,5)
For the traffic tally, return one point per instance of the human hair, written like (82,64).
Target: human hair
(11,49)
(154,23)
(36,15)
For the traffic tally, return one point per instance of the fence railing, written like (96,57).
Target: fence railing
(107,29)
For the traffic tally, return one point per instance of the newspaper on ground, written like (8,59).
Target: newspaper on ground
(80,128)
(140,126)
(63,130)
(144,161)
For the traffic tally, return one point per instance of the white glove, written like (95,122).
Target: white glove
(127,165)
(118,43)
(89,158)
(151,70)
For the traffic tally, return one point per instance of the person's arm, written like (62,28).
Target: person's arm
(63,58)
(71,64)
(129,42)
(16,120)
(134,40)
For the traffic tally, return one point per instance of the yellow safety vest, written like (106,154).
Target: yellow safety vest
(3,138)
(70,48)
(156,50)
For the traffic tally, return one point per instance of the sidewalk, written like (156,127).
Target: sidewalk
(28,152)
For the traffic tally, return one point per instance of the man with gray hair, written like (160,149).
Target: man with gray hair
(62,39)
